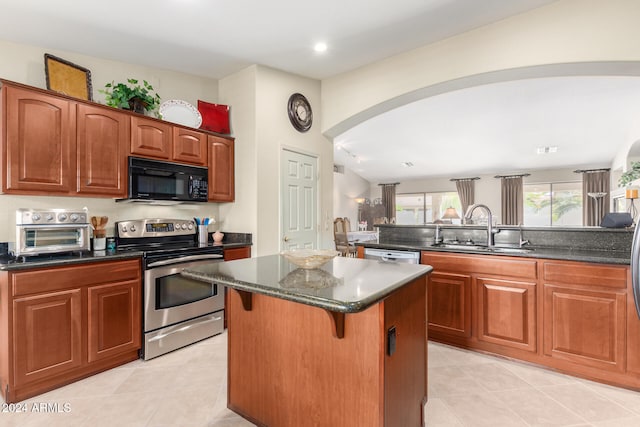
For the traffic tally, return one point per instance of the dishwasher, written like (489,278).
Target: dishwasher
(407,257)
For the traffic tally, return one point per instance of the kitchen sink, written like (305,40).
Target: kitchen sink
(481,248)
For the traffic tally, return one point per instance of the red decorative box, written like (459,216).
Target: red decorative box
(215,117)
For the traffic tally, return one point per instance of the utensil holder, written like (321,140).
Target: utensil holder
(203,235)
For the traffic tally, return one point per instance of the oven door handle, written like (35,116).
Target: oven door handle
(184,259)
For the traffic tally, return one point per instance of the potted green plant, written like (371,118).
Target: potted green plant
(630,175)
(133,96)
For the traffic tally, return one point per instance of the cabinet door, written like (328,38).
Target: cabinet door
(151,138)
(114,319)
(507,313)
(102,151)
(585,326)
(449,304)
(221,169)
(189,146)
(40,142)
(47,330)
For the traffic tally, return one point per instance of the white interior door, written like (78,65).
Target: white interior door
(299,200)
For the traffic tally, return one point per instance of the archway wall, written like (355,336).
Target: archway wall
(567,37)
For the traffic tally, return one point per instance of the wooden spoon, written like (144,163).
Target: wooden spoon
(103,221)
(94,222)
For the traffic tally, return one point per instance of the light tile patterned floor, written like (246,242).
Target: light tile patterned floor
(188,388)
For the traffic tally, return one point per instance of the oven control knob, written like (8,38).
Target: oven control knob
(132,228)
(49,217)
(124,228)
(190,226)
(35,217)
(184,226)
(62,217)
(74,217)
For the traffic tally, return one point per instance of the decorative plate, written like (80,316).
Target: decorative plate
(180,112)
(300,113)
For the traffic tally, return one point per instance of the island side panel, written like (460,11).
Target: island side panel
(286,368)
(406,370)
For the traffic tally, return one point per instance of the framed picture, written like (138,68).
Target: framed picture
(67,78)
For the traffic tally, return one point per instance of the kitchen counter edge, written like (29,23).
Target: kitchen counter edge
(566,254)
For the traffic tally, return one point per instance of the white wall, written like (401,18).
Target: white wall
(25,64)
(561,33)
(347,187)
(261,144)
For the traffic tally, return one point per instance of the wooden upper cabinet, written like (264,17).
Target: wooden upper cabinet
(151,138)
(221,169)
(189,146)
(102,151)
(163,141)
(40,142)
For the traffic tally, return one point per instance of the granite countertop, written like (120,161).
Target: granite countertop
(568,254)
(43,261)
(346,285)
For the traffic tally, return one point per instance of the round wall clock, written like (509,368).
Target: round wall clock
(300,112)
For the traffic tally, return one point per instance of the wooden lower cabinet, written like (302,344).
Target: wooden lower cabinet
(449,304)
(585,314)
(48,335)
(60,324)
(574,317)
(113,320)
(237,253)
(507,312)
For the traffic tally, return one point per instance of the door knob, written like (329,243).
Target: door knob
(286,239)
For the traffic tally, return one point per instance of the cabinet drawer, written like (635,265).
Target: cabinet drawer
(577,273)
(57,278)
(481,264)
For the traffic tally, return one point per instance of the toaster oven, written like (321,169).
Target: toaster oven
(51,231)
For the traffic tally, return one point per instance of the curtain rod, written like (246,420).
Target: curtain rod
(591,170)
(393,183)
(465,179)
(520,175)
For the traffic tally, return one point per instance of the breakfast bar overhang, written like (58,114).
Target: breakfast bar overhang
(343,345)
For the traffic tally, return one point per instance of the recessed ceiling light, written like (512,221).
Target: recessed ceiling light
(320,47)
(406,164)
(546,150)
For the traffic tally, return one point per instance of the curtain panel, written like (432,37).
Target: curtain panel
(466,193)
(389,201)
(512,200)
(596,186)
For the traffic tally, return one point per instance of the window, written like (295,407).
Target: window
(556,203)
(423,208)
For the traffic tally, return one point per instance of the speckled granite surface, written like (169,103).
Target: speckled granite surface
(231,240)
(589,244)
(346,285)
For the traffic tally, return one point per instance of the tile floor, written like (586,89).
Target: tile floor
(188,388)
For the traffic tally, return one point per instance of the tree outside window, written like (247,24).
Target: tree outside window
(556,203)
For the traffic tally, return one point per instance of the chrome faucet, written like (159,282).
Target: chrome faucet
(490,230)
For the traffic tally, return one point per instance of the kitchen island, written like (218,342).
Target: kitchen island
(344,345)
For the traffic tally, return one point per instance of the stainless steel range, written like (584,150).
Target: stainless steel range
(177,311)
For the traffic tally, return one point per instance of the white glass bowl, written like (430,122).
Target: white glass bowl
(309,258)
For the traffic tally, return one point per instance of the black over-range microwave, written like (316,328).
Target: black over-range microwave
(157,180)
